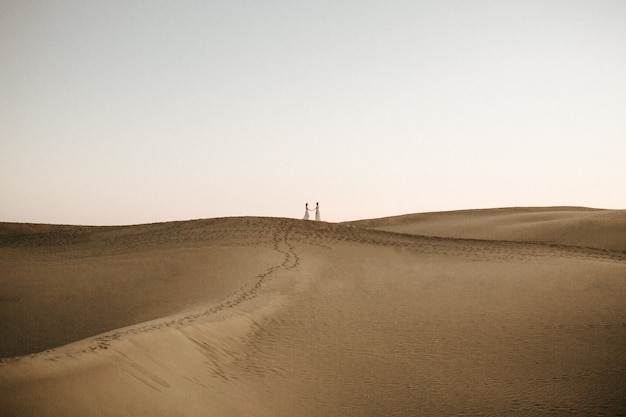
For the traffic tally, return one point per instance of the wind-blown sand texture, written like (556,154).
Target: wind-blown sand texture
(281,317)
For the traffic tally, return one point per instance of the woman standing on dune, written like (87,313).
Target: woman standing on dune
(317,212)
(306,212)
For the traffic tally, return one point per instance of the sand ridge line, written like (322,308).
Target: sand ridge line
(600,229)
(325,235)
(563,250)
(280,243)
(290,262)
(444,244)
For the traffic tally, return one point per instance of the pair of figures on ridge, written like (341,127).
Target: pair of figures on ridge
(317,212)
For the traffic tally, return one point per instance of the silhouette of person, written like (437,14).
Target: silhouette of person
(306,212)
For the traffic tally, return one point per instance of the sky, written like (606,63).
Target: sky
(127,112)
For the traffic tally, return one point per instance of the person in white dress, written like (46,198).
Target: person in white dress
(306,212)
(317,212)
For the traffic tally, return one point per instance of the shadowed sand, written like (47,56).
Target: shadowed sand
(280,317)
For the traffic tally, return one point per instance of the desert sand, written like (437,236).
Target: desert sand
(482,312)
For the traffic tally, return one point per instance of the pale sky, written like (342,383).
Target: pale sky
(124,112)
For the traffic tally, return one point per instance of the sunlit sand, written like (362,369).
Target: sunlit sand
(482,312)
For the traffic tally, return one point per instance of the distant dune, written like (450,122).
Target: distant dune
(516,311)
(577,226)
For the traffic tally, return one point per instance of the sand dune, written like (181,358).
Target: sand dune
(281,317)
(69,282)
(576,226)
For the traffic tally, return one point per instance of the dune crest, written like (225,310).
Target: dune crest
(574,226)
(280,317)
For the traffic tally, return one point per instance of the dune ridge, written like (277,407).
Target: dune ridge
(281,317)
(573,226)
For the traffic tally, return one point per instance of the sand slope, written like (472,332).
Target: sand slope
(63,283)
(577,226)
(280,317)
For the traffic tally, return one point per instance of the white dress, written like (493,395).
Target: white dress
(306,215)
(317,214)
